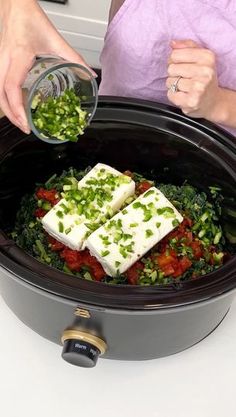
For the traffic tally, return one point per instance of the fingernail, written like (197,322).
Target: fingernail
(93,73)
(26,130)
(23,125)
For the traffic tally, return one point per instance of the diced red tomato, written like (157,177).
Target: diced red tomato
(164,260)
(54,244)
(168,270)
(189,237)
(185,263)
(128,173)
(178,272)
(143,186)
(170,264)
(97,270)
(70,255)
(39,212)
(197,249)
(49,195)
(187,222)
(75,260)
(134,272)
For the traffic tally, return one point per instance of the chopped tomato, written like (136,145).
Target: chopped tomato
(168,270)
(97,270)
(178,272)
(54,244)
(189,237)
(170,264)
(39,212)
(75,260)
(197,249)
(163,260)
(133,273)
(128,173)
(185,263)
(187,222)
(143,186)
(70,255)
(49,195)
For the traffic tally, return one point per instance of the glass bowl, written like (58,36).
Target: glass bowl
(52,77)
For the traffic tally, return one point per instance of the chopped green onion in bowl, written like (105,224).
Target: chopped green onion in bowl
(60,118)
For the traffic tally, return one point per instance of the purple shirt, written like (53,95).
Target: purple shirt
(137,44)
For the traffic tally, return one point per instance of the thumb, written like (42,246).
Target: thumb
(186,43)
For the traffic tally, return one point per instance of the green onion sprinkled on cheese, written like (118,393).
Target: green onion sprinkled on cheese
(61,227)
(59,214)
(133,225)
(165,210)
(105,253)
(148,233)
(175,222)
(148,193)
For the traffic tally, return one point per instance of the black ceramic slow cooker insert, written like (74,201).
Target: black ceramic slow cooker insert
(117,322)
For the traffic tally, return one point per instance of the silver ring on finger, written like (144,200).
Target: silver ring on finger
(174,86)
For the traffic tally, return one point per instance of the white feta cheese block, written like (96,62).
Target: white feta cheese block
(120,194)
(93,199)
(132,232)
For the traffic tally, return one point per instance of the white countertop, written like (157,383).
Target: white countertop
(35,381)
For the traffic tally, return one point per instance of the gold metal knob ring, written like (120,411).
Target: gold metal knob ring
(75,334)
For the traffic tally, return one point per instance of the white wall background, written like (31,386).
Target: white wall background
(82,23)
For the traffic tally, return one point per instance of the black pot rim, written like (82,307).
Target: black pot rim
(34,273)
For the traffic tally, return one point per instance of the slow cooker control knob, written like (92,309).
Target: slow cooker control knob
(81,348)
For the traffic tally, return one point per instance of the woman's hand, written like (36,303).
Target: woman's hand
(198,90)
(26,33)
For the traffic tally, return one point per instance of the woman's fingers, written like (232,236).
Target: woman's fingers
(4,105)
(194,70)
(184,43)
(13,88)
(199,56)
(191,71)
(184,84)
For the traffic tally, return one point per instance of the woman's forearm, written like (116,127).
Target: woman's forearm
(224,111)
(6,6)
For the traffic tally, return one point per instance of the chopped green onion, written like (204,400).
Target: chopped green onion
(148,233)
(60,214)
(175,222)
(149,193)
(105,253)
(60,117)
(61,227)
(217,238)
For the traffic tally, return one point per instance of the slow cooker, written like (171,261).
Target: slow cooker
(118,322)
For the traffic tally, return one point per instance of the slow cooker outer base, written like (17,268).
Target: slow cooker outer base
(129,335)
